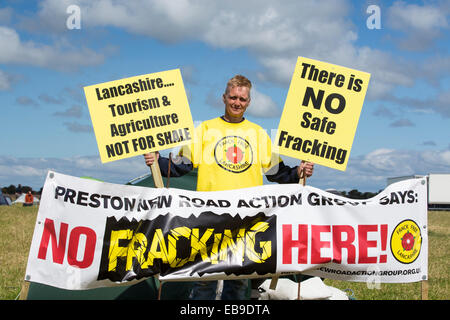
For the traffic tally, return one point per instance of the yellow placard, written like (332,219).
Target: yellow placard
(140,114)
(321,113)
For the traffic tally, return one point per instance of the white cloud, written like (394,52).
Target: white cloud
(6,15)
(262,105)
(370,172)
(59,57)
(402,123)
(75,111)
(32,171)
(5,81)
(422,25)
(274,35)
(77,127)
(404,16)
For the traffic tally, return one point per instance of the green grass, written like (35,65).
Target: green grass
(18,222)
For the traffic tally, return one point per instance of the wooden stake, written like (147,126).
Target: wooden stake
(24,290)
(424,289)
(302,181)
(424,282)
(160,290)
(157,179)
(274,281)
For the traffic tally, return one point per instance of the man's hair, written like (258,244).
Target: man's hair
(238,81)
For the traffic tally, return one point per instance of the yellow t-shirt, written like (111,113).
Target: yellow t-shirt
(229,155)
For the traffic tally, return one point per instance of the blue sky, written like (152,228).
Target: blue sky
(404,124)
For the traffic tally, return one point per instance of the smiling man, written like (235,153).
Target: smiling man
(230,152)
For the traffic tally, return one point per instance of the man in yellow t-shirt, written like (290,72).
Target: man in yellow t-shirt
(229,155)
(230,152)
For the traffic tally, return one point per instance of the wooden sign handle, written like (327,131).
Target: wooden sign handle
(157,179)
(302,181)
(274,281)
(156,174)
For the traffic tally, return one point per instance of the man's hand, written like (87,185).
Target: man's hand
(308,166)
(150,158)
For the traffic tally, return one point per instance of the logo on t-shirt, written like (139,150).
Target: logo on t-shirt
(233,154)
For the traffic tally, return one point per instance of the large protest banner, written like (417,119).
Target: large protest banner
(321,113)
(91,234)
(140,114)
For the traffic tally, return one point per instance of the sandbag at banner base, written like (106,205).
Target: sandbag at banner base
(310,289)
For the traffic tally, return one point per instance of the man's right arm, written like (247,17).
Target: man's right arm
(178,166)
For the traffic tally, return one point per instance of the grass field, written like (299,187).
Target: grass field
(17,224)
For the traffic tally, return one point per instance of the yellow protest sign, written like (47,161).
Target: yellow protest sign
(321,113)
(139,114)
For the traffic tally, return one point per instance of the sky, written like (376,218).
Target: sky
(51,49)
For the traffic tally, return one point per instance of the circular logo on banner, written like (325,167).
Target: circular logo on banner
(406,241)
(234,154)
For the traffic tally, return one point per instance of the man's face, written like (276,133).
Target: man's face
(236,102)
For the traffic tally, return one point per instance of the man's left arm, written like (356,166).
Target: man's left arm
(282,173)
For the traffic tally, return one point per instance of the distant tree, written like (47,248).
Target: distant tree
(368,195)
(9,190)
(354,194)
(25,189)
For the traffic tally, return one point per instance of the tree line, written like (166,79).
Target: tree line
(355,194)
(12,189)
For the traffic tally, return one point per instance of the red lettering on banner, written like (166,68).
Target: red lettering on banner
(365,244)
(339,244)
(301,244)
(343,237)
(317,244)
(89,249)
(383,233)
(59,246)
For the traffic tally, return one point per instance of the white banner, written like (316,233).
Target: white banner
(92,234)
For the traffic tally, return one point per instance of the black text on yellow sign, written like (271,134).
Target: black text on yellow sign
(140,114)
(321,113)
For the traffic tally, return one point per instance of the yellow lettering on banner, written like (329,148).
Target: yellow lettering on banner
(175,234)
(215,248)
(140,114)
(321,113)
(165,255)
(199,244)
(136,250)
(266,246)
(237,248)
(116,251)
